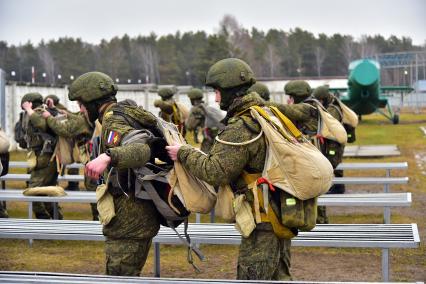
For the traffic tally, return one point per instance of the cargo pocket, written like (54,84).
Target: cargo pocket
(244,219)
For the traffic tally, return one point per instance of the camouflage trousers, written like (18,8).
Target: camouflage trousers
(263,256)
(3,212)
(91,185)
(44,174)
(73,185)
(126,257)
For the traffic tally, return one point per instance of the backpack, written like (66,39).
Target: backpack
(328,127)
(174,191)
(20,132)
(350,120)
(295,167)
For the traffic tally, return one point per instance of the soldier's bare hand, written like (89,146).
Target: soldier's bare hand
(173,151)
(50,103)
(96,167)
(27,105)
(46,114)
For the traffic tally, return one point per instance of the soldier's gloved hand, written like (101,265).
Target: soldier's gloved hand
(158,149)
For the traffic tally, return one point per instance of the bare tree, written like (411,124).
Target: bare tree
(319,59)
(367,49)
(48,63)
(349,49)
(238,38)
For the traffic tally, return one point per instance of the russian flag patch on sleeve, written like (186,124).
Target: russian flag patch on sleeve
(113,138)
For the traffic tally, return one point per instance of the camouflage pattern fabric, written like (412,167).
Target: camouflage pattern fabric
(136,221)
(44,174)
(225,164)
(263,256)
(3,211)
(92,86)
(77,127)
(126,257)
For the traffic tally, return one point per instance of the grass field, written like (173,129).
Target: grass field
(320,264)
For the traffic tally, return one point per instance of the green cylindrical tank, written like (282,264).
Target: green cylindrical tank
(363,83)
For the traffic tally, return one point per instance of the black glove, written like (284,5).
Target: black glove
(158,149)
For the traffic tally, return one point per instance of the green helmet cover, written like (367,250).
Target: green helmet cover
(229,73)
(166,93)
(54,98)
(35,98)
(92,86)
(298,89)
(261,89)
(195,94)
(322,93)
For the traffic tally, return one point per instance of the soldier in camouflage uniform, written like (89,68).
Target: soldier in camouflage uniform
(170,111)
(299,91)
(262,90)
(55,108)
(336,156)
(129,234)
(262,255)
(76,126)
(205,117)
(41,141)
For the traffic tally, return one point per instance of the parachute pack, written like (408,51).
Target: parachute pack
(293,165)
(174,191)
(350,120)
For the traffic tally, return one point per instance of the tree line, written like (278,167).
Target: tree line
(184,58)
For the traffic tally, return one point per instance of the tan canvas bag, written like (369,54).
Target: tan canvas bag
(349,116)
(105,204)
(45,190)
(331,128)
(292,163)
(4,142)
(224,208)
(196,195)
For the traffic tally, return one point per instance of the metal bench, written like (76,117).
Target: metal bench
(386,200)
(383,236)
(343,166)
(65,278)
(336,180)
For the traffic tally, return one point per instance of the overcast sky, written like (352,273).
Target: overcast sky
(93,20)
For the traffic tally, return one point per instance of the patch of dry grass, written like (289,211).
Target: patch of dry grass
(321,264)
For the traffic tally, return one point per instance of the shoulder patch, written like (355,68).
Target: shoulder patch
(107,114)
(114,138)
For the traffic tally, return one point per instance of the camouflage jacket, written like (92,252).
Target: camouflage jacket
(74,126)
(224,164)
(135,219)
(38,133)
(335,110)
(169,111)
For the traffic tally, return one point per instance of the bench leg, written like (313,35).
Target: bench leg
(212,215)
(387,215)
(385,265)
(388,174)
(157,267)
(55,210)
(30,216)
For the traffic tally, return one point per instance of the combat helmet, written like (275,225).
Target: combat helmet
(195,94)
(54,98)
(322,93)
(35,98)
(261,89)
(298,89)
(92,86)
(229,73)
(166,93)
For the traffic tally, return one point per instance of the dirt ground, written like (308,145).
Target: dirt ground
(317,264)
